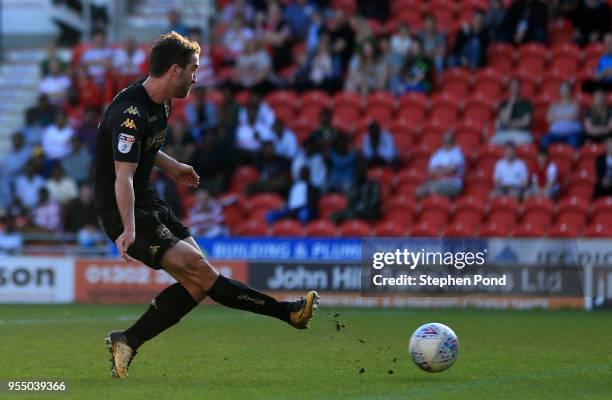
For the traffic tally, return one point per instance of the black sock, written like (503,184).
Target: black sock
(234,294)
(172,304)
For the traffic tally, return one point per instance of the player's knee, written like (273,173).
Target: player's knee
(200,271)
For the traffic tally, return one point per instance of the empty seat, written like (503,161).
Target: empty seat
(320,228)
(563,230)
(412,107)
(493,229)
(456,82)
(461,229)
(354,228)
(389,228)
(330,203)
(435,203)
(501,56)
(265,201)
(243,176)
(286,228)
(425,229)
(252,227)
(527,229)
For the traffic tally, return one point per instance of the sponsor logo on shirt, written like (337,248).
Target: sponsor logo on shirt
(129,124)
(132,110)
(124,145)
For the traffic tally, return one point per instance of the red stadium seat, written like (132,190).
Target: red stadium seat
(389,228)
(527,152)
(478,108)
(435,203)
(468,216)
(348,6)
(529,83)
(501,56)
(541,204)
(345,121)
(560,30)
(469,204)
(444,14)
(434,217)
(572,219)
(265,201)
(320,228)
(563,230)
(493,229)
(252,227)
(403,216)
(562,154)
(286,228)
(528,229)
(283,102)
(573,204)
(411,175)
(303,127)
(477,189)
(591,151)
(330,203)
(490,82)
(312,102)
(383,175)
(425,229)
(346,103)
(503,218)
(537,218)
(601,208)
(379,107)
(580,184)
(243,176)
(467,139)
(412,16)
(598,229)
(504,203)
(412,107)
(419,158)
(488,156)
(445,108)
(456,82)
(354,228)
(461,229)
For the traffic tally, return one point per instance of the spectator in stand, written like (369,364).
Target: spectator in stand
(275,33)
(179,144)
(434,42)
(378,146)
(603,168)
(176,24)
(238,8)
(298,13)
(511,176)
(400,44)
(341,39)
(416,75)
(302,201)
(313,160)
(229,111)
(214,160)
(603,74)
(514,118)
(367,71)
(325,69)
(264,113)
(253,68)
(563,120)
(364,200)
(88,91)
(342,165)
(494,19)
(129,60)
(98,59)
(13,162)
(526,21)
(314,32)
(77,164)
(61,188)
(27,186)
(55,84)
(32,130)
(47,215)
(591,21)
(273,172)
(446,169)
(326,134)
(87,130)
(544,178)
(50,57)
(201,114)
(44,111)
(205,218)
(79,213)
(251,134)
(235,39)
(285,142)
(598,120)
(471,44)
(56,138)
(11,240)
(205,74)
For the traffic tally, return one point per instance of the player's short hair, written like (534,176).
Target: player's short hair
(169,49)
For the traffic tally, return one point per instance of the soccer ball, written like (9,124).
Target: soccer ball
(434,347)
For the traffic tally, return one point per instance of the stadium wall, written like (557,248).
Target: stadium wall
(547,273)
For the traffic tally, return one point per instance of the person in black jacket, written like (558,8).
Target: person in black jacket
(603,166)
(526,21)
(471,44)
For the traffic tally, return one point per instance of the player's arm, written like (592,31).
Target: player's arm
(181,173)
(124,193)
(127,127)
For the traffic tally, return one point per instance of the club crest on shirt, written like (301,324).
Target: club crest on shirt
(163,232)
(129,124)
(132,110)
(125,142)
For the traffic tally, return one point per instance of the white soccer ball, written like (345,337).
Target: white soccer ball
(434,347)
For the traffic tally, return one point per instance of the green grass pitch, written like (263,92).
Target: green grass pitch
(216,353)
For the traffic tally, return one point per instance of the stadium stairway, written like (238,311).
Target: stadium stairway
(19,78)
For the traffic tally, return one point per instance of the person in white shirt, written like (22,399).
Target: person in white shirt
(308,157)
(302,200)
(129,59)
(446,169)
(205,217)
(56,138)
(56,84)
(98,59)
(27,186)
(511,175)
(47,214)
(378,146)
(61,188)
(285,142)
(264,114)
(251,134)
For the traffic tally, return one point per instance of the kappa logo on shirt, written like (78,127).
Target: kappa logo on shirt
(124,145)
(132,110)
(129,123)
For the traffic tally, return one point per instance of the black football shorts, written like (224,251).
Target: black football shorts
(157,230)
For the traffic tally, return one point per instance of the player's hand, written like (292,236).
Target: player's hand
(186,175)
(123,243)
